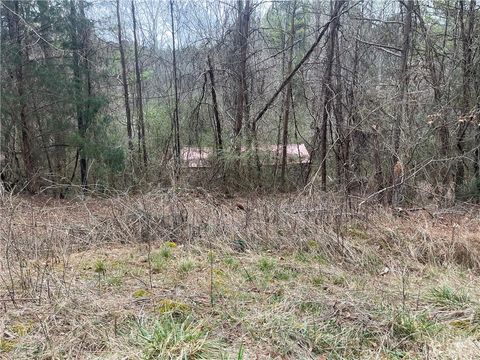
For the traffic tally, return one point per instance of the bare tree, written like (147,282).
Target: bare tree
(402,95)
(467,23)
(124,81)
(369,102)
(16,33)
(216,113)
(320,137)
(241,40)
(288,93)
(343,134)
(175,119)
(77,30)
(435,62)
(141,122)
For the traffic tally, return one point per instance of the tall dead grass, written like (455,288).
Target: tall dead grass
(43,232)
(45,243)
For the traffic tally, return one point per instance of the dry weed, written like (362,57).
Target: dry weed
(290,276)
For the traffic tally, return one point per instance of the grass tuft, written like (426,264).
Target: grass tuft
(178,339)
(318,281)
(100,267)
(447,298)
(410,326)
(266,264)
(186,266)
(160,258)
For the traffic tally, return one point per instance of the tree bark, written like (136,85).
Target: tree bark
(353,114)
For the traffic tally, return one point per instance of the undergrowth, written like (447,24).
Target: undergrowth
(161,276)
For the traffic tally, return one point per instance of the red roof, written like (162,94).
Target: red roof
(194,157)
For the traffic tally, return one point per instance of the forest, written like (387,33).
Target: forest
(239,179)
(112,95)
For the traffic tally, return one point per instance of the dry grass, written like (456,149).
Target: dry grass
(198,276)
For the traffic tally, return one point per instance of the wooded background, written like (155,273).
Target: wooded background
(106,94)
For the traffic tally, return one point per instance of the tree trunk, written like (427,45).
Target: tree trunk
(327,93)
(44,141)
(79,96)
(377,164)
(175,122)
(141,122)
(125,82)
(402,96)
(17,34)
(243,24)
(438,119)
(467,42)
(216,113)
(284,73)
(288,95)
(58,153)
(85,44)
(353,115)
(343,142)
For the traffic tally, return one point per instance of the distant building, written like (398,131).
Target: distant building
(195,157)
